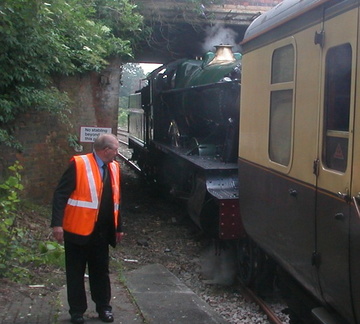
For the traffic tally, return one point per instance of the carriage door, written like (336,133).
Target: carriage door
(355,197)
(335,156)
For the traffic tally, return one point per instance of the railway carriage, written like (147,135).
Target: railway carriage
(299,152)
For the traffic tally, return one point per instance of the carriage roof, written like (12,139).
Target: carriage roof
(279,15)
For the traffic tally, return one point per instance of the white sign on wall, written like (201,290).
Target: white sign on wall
(89,134)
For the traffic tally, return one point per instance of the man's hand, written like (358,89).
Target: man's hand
(58,233)
(119,236)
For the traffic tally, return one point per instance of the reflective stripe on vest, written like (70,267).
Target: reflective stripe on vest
(93,204)
(115,187)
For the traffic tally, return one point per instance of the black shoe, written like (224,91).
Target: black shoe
(106,316)
(77,319)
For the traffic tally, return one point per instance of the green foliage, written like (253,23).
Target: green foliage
(11,237)
(9,140)
(123,103)
(9,192)
(52,253)
(41,39)
(123,118)
(18,248)
(74,142)
(131,75)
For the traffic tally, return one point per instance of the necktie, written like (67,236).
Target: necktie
(105,172)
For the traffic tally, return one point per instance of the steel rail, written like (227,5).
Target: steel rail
(122,156)
(123,142)
(272,317)
(128,161)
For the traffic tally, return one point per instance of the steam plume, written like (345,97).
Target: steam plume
(218,268)
(219,35)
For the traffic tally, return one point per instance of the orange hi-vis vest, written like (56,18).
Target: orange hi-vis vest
(81,211)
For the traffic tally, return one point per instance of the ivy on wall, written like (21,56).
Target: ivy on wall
(40,39)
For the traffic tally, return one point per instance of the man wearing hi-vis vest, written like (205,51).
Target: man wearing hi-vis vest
(86,216)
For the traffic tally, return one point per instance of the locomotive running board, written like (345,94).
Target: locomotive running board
(204,162)
(221,182)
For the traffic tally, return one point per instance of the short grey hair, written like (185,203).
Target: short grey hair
(103,141)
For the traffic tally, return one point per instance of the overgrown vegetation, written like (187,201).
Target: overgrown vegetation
(19,246)
(132,74)
(40,39)
(123,118)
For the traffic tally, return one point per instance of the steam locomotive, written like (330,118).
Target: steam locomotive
(288,162)
(183,130)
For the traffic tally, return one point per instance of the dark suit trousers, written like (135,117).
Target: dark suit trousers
(95,254)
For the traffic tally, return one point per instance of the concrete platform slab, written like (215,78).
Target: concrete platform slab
(164,299)
(124,308)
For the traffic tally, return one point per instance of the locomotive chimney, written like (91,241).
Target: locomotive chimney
(223,54)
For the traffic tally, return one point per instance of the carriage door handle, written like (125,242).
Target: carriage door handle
(344,195)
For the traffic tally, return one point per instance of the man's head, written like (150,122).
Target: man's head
(106,147)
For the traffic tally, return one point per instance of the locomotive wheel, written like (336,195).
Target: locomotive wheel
(246,261)
(255,268)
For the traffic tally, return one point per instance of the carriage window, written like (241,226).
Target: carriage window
(281,105)
(337,107)
(283,65)
(280,126)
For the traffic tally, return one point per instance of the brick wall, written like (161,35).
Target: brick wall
(45,140)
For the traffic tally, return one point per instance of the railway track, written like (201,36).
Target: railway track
(128,161)
(267,309)
(122,135)
(123,151)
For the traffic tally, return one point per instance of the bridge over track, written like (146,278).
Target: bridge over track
(185,29)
